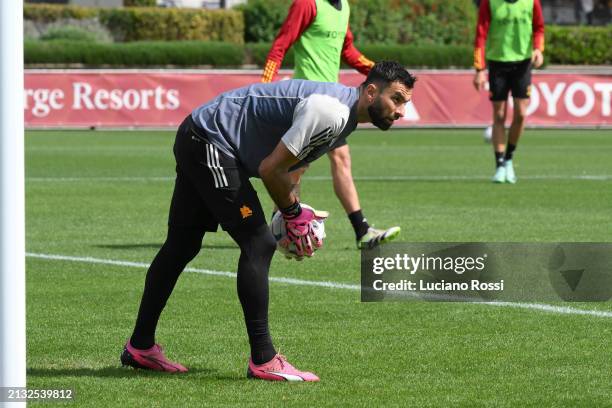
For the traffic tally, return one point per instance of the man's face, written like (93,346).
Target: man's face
(389,105)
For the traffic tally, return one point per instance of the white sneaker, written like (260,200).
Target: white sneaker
(375,237)
(500,175)
(510,175)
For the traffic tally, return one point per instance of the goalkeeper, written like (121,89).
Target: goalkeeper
(265,131)
(320,34)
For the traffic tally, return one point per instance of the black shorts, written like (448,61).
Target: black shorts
(339,143)
(509,76)
(211,187)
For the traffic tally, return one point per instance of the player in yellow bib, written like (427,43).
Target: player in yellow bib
(320,35)
(514,34)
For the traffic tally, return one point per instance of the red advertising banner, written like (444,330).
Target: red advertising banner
(145,98)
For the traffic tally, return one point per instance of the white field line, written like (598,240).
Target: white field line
(97,179)
(325,284)
(589,177)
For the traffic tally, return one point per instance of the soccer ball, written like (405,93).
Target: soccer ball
(487,135)
(279,231)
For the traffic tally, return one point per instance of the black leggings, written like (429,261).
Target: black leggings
(257,247)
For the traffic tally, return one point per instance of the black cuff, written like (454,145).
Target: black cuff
(294,210)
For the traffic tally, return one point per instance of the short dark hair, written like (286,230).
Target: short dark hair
(387,72)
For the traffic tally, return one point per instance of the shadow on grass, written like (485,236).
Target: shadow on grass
(157,246)
(122,372)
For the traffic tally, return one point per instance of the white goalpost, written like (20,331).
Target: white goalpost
(12,202)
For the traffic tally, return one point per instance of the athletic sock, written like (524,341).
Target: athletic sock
(509,151)
(360,224)
(499,159)
(257,247)
(260,340)
(142,343)
(181,246)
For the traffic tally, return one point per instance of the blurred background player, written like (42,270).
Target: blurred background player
(514,35)
(320,34)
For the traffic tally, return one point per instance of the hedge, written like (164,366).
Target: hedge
(46,13)
(263,19)
(414,22)
(139,3)
(422,24)
(197,53)
(427,56)
(69,33)
(562,48)
(430,56)
(256,53)
(379,21)
(578,45)
(150,23)
(134,54)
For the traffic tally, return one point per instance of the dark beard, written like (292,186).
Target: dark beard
(376,116)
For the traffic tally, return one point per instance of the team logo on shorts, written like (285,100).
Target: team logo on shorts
(245,211)
(528,90)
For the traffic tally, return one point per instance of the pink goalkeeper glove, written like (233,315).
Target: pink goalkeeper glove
(300,231)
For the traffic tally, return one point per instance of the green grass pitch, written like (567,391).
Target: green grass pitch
(105,195)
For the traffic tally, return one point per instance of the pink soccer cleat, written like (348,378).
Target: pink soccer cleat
(278,369)
(151,359)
